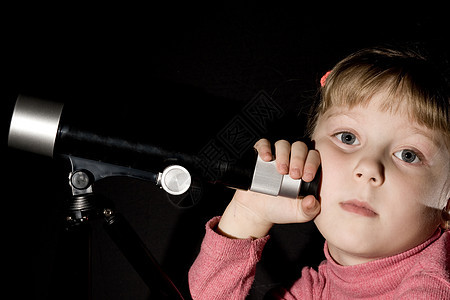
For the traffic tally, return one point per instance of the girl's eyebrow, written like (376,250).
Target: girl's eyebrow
(341,111)
(341,114)
(429,135)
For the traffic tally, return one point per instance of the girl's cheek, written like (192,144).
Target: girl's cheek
(334,168)
(432,194)
(331,156)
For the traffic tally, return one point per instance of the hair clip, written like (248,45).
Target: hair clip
(324,79)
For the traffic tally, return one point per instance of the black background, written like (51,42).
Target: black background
(187,69)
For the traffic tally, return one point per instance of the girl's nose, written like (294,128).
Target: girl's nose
(370,171)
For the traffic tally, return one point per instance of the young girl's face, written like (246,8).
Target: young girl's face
(386,181)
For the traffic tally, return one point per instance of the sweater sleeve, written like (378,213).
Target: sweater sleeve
(311,285)
(224,268)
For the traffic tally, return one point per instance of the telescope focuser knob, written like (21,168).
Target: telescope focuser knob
(175,180)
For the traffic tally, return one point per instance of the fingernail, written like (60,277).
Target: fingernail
(308,176)
(311,203)
(266,156)
(284,169)
(295,173)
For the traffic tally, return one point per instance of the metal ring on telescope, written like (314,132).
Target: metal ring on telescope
(34,125)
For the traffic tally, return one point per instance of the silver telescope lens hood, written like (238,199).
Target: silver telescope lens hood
(34,125)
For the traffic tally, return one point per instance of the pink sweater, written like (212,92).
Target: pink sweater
(225,269)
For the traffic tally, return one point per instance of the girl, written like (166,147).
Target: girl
(381,134)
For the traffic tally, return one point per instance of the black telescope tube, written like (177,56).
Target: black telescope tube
(110,135)
(117,150)
(84,136)
(50,129)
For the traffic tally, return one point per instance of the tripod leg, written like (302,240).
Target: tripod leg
(140,257)
(72,274)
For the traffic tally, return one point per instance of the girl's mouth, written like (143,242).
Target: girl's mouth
(358,207)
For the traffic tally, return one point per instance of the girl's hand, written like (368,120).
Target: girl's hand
(251,214)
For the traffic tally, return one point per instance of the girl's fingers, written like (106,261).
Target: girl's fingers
(299,152)
(310,208)
(312,164)
(304,163)
(294,160)
(282,153)
(264,149)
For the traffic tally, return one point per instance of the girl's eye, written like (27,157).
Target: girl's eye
(408,156)
(347,138)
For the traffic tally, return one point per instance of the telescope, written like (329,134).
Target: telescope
(46,128)
(99,145)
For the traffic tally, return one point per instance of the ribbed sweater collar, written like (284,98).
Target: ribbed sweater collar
(376,277)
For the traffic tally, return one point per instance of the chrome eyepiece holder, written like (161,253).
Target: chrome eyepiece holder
(267,180)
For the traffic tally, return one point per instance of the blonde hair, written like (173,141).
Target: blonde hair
(410,81)
(406,76)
